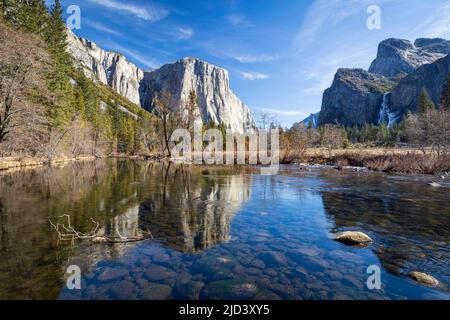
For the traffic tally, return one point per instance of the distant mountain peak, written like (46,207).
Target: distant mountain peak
(399,56)
(311,120)
(434,45)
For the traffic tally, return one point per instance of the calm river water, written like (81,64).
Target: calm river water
(221,233)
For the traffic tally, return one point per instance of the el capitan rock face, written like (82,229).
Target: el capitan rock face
(110,68)
(216,101)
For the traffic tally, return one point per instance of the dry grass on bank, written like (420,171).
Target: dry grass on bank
(398,160)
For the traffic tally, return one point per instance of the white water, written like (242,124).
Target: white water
(386,116)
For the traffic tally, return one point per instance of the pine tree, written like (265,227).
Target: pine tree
(59,78)
(55,34)
(38,15)
(68,93)
(11,10)
(2,9)
(383,133)
(445,99)
(79,102)
(425,102)
(30,15)
(90,99)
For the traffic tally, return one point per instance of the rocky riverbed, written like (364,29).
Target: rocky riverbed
(223,234)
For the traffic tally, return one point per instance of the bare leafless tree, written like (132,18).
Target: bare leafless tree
(12,81)
(429,131)
(192,111)
(293,144)
(438,130)
(332,137)
(148,134)
(21,120)
(80,137)
(265,119)
(414,132)
(163,109)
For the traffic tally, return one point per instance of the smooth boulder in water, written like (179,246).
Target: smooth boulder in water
(423,279)
(353,238)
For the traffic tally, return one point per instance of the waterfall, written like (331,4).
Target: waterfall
(384,110)
(386,116)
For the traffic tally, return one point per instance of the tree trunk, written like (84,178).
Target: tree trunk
(165,136)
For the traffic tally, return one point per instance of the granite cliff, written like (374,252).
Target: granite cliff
(392,85)
(354,98)
(216,101)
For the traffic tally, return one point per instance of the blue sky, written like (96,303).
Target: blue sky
(281,54)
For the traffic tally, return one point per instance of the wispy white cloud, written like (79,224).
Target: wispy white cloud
(328,13)
(147,62)
(102,28)
(320,77)
(144,12)
(185,33)
(249,58)
(320,82)
(437,25)
(282,112)
(239,20)
(254,76)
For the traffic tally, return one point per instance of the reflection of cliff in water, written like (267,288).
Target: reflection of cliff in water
(394,213)
(31,261)
(193,211)
(189,209)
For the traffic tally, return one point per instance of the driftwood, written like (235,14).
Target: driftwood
(66,232)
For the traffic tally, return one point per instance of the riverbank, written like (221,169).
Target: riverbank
(408,161)
(392,160)
(11,163)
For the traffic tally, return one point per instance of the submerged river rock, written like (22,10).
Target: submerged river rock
(424,279)
(354,238)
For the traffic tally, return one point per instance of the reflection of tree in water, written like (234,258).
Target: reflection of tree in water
(31,262)
(110,192)
(410,224)
(190,209)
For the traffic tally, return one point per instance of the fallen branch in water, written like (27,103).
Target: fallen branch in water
(68,233)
